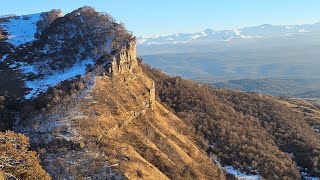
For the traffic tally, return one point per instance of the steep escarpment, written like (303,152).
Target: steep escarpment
(89,110)
(142,138)
(118,128)
(123,60)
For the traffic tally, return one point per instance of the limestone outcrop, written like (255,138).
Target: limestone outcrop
(123,60)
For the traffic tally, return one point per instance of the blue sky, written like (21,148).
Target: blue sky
(147,18)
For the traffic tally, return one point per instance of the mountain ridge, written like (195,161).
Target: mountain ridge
(210,35)
(56,54)
(90,103)
(98,112)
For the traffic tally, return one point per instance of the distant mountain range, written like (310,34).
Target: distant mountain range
(277,60)
(210,35)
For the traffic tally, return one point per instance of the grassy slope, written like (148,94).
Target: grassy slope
(121,128)
(141,142)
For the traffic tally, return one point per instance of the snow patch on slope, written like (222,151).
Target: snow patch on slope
(3,58)
(109,41)
(305,175)
(303,31)
(235,172)
(195,36)
(141,41)
(21,29)
(41,85)
(240,175)
(23,67)
(237,32)
(204,33)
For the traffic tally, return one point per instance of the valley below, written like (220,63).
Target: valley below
(77,103)
(289,68)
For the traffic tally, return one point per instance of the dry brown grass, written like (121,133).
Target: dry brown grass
(142,142)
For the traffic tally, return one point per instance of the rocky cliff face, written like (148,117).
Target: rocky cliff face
(46,18)
(125,59)
(121,131)
(90,111)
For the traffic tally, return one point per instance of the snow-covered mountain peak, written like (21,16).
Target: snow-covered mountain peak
(209,35)
(209,31)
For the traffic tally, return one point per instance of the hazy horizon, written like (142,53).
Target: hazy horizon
(147,19)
